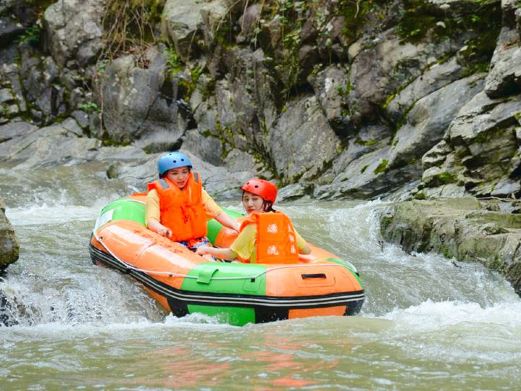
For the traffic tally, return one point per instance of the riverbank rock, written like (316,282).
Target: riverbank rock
(9,247)
(467,229)
(24,147)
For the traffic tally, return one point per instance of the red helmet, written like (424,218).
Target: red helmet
(261,187)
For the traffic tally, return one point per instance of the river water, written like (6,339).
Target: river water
(428,323)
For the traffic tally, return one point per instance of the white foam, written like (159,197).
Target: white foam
(431,316)
(58,211)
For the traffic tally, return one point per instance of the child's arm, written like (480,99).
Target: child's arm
(227,221)
(215,211)
(152,215)
(222,253)
(302,245)
(156,226)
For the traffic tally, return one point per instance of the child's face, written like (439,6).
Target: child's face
(252,202)
(179,176)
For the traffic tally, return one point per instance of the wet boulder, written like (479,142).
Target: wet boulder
(9,247)
(467,229)
(25,146)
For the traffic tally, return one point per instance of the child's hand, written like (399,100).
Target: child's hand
(164,231)
(202,250)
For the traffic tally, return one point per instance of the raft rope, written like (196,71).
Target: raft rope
(170,274)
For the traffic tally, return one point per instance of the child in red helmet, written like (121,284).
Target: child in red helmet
(266,235)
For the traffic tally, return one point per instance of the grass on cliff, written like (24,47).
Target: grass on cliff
(420,19)
(131,27)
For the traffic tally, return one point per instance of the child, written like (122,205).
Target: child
(266,235)
(178,207)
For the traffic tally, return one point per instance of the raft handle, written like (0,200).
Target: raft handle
(313,275)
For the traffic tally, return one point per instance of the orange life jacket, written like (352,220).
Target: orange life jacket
(276,241)
(182,210)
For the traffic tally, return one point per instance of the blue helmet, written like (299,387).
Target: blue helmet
(172,160)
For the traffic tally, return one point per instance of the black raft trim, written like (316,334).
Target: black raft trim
(179,299)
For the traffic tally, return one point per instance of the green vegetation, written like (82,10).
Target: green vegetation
(389,99)
(421,18)
(497,264)
(89,107)
(382,167)
(31,36)
(225,136)
(356,13)
(188,76)
(101,66)
(4,110)
(344,91)
(291,16)
(107,141)
(445,178)
(224,32)
(420,196)
(173,62)
(366,143)
(517,115)
(40,4)
(129,27)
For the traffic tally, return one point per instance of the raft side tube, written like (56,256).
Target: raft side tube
(122,209)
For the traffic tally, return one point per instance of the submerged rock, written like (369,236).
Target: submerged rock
(468,229)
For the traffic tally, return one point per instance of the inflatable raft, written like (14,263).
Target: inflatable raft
(237,293)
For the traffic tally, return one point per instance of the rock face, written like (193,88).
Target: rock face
(9,248)
(466,229)
(187,22)
(74,30)
(46,60)
(481,150)
(346,99)
(134,104)
(305,152)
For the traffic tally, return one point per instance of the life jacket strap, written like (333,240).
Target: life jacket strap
(163,183)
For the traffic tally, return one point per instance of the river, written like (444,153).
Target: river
(428,323)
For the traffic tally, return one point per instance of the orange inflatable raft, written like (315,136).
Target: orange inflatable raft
(237,293)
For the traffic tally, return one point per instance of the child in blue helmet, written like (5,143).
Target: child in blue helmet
(178,207)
